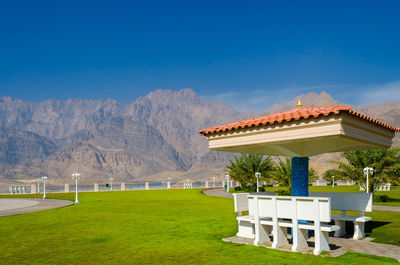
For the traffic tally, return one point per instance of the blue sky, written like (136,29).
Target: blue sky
(250,54)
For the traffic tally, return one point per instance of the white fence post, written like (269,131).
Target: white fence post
(146,186)
(66,187)
(122,186)
(33,188)
(96,187)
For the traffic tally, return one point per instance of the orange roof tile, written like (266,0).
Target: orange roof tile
(294,114)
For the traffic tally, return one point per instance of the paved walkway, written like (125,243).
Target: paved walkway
(20,206)
(386,208)
(338,246)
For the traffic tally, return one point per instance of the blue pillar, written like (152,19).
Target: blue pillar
(300,176)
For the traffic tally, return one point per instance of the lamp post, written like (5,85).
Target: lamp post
(76,176)
(111,179)
(333,181)
(258,174)
(227,182)
(367,171)
(44,178)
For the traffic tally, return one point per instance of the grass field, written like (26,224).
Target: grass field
(151,227)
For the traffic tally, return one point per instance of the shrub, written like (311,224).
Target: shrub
(283,192)
(381,198)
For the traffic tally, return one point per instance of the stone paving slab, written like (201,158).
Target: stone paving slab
(338,246)
(19,206)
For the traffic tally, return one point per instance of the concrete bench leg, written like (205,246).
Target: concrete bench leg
(245,229)
(280,236)
(261,234)
(321,242)
(342,230)
(358,230)
(299,239)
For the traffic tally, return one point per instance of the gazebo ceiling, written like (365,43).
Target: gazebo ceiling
(302,132)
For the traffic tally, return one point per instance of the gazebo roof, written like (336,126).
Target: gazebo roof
(304,131)
(290,115)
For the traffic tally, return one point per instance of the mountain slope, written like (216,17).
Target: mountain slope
(154,137)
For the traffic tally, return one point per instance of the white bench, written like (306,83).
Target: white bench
(245,223)
(281,212)
(343,201)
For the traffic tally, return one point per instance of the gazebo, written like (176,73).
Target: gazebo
(300,133)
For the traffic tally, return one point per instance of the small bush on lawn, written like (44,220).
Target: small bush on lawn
(380,198)
(283,192)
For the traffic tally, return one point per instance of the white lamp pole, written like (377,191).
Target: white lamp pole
(367,171)
(76,176)
(333,181)
(227,183)
(44,178)
(111,179)
(258,174)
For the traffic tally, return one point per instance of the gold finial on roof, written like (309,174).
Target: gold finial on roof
(299,105)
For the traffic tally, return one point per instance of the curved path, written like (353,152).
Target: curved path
(341,245)
(10,206)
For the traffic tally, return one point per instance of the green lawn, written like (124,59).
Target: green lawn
(150,227)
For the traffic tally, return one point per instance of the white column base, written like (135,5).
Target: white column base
(358,230)
(280,237)
(342,230)
(323,244)
(261,233)
(245,229)
(299,239)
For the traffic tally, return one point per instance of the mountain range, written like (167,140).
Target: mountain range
(153,138)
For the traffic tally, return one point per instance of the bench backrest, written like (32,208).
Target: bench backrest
(346,201)
(291,207)
(240,200)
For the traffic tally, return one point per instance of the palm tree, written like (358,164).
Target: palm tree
(327,175)
(245,166)
(283,173)
(385,162)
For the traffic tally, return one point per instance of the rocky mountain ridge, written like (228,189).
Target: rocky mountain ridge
(154,137)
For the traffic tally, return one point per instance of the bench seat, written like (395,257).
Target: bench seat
(343,201)
(251,219)
(308,226)
(359,224)
(350,218)
(245,222)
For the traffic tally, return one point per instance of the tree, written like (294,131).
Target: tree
(327,175)
(245,166)
(283,173)
(385,162)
